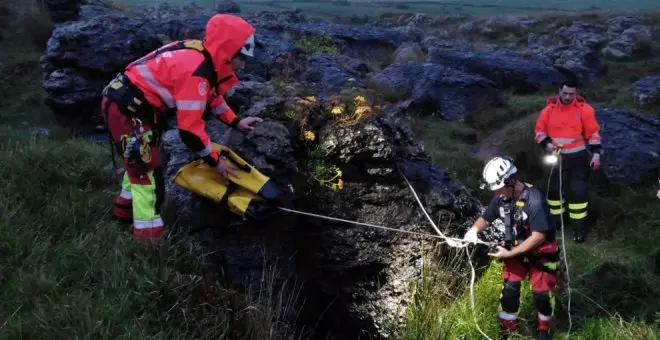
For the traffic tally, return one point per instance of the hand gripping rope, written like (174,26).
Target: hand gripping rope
(450,241)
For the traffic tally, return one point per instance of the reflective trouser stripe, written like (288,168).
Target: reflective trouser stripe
(144,205)
(126,194)
(123,203)
(577,211)
(126,187)
(550,265)
(556,207)
(553,302)
(148,224)
(507,316)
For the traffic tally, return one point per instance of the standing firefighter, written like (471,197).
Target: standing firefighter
(530,245)
(568,125)
(173,85)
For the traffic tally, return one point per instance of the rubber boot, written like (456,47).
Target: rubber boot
(543,325)
(507,327)
(544,335)
(579,231)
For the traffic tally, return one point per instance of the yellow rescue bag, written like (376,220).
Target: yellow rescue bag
(251,194)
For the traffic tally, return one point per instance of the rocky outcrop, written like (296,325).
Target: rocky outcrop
(646,91)
(81,57)
(328,76)
(507,69)
(437,90)
(362,42)
(633,43)
(63,10)
(352,64)
(265,62)
(356,278)
(630,143)
(227,6)
(409,51)
(575,48)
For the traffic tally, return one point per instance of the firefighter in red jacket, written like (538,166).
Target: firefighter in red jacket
(569,122)
(180,84)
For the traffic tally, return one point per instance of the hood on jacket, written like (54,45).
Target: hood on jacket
(225,35)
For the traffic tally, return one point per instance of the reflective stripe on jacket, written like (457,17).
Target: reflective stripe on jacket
(572,125)
(173,81)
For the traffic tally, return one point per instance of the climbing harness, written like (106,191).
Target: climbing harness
(134,146)
(564,267)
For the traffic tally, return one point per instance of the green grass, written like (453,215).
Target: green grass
(447,146)
(615,294)
(68,270)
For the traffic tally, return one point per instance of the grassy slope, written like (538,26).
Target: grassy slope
(615,293)
(68,270)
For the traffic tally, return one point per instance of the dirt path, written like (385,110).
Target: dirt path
(490,146)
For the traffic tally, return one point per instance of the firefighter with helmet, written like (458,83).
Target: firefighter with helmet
(568,125)
(530,246)
(180,84)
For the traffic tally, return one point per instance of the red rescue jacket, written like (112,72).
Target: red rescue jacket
(572,125)
(174,81)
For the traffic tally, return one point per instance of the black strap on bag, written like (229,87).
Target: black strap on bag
(508,226)
(205,70)
(243,166)
(231,187)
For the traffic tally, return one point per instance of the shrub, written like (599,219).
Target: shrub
(318,43)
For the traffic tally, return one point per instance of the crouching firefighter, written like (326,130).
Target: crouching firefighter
(180,84)
(530,246)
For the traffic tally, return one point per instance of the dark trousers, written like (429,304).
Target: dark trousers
(575,184)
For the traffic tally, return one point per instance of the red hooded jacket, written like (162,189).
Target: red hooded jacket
(171,81)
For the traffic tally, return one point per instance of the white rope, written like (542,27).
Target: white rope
(458,244)
(450,241)
(472,278)
(355,222)
(563,238)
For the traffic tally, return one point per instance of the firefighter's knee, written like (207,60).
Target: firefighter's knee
(511,297)
(543,302)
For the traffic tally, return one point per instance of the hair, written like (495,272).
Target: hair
(570,83)
(570,79)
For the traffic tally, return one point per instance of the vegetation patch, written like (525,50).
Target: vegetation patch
(346,110)
(318,43)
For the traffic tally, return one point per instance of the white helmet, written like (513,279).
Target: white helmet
(248,47)
(496,172)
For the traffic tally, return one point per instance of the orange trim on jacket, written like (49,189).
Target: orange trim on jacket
(568,124)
